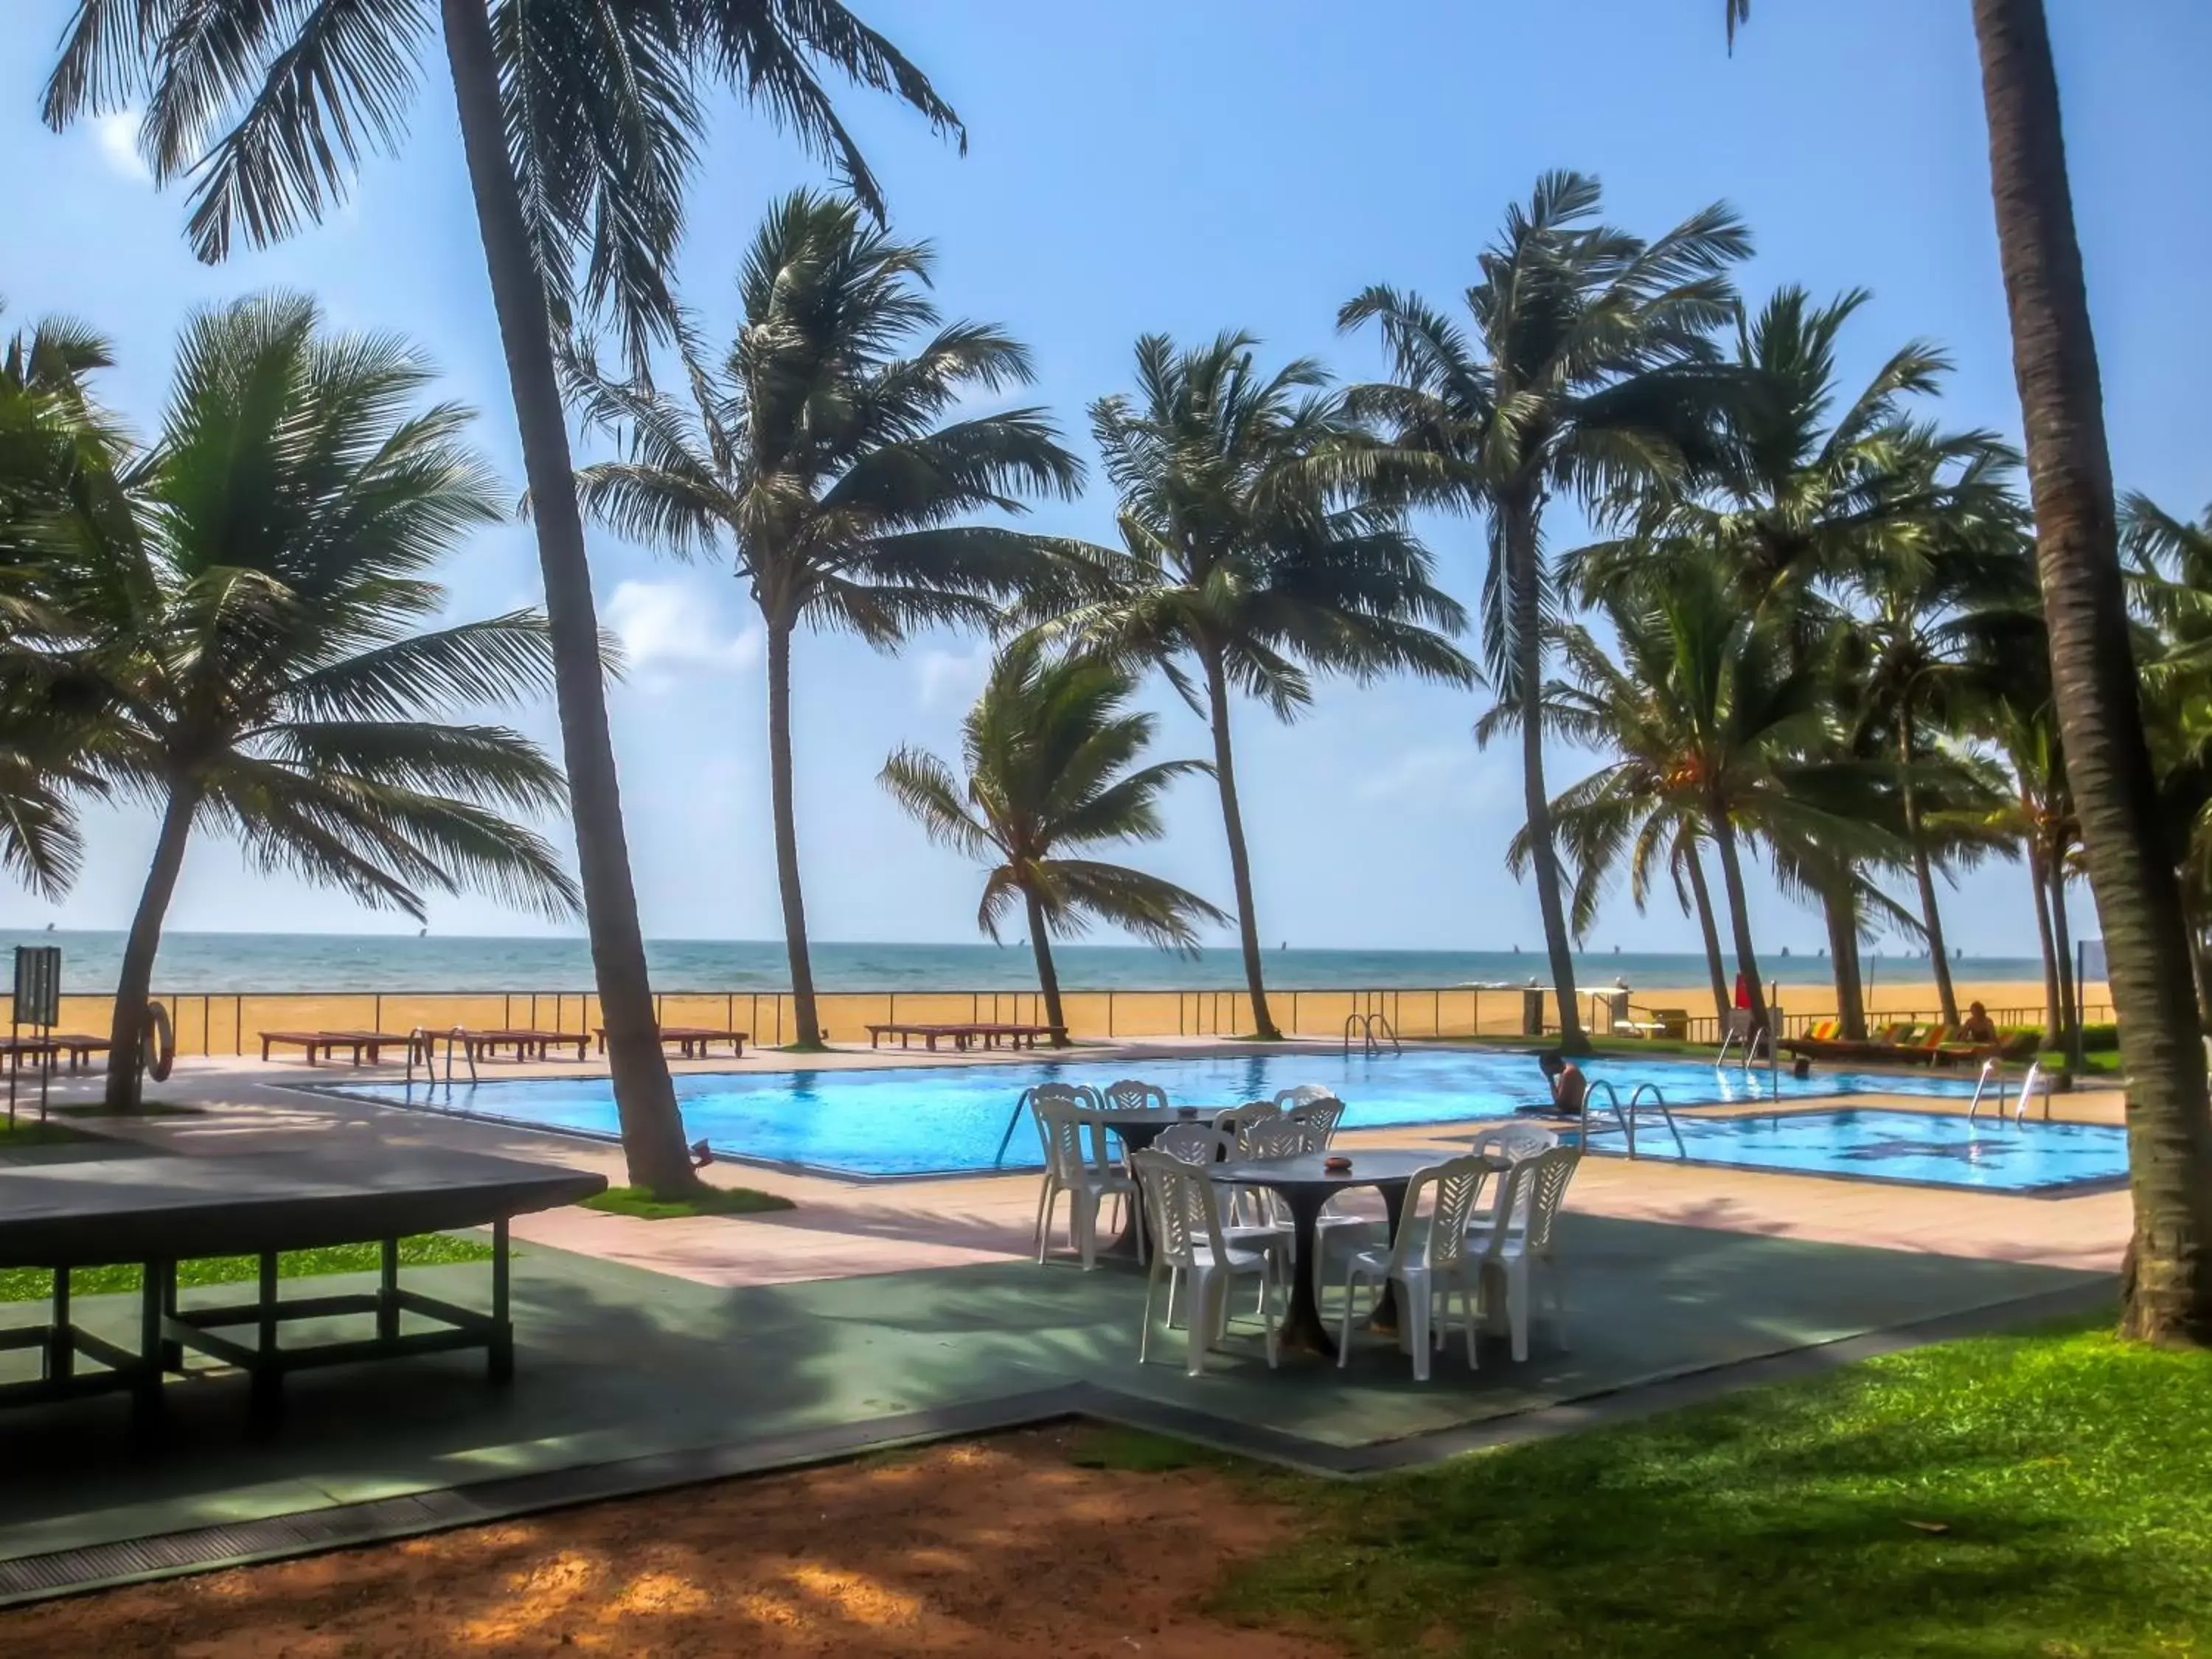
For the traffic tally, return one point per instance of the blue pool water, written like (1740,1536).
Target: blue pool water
(909,1121)
(1921,1149)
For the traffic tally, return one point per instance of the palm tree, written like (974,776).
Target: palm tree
(579,121)
(247,634)
(1802,495)
(1048,749)
(1585,368)
(1719,738)
(2171,575)
(59,454)
(1929,602)
(2166,1288)
(817,452)
(1258,549)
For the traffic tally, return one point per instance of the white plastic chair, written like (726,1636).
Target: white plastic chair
(1067,1094)
(1189,1240)
(1429,1258)
(1519,1232)
(1273,1137)
(1252,1111)
(1320,1116)
(1286,1098)
(1512,1141)
(1133,1094)
(1075,1164)
(1197,1144)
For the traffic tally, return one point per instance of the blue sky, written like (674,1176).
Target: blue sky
(1179,166)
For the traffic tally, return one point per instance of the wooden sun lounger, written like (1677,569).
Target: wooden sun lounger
(357,1043)
(986,1033)
(527,1045)
(695,1040)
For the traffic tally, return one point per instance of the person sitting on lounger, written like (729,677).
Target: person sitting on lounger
(1979,1026)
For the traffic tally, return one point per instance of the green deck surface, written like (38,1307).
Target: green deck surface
(616,1363)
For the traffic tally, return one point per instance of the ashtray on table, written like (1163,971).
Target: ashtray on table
(1337,1163)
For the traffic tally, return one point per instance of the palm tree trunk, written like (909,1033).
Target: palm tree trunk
(126,1028)
(1924,875)
(2202,962)
(1522,554)
(1240,862)
(645,1100)
(1747,960)
(2166,1282)
(2069,1041)
(1703,896)
(1841,909)
(806,1023)
(2054,1018)
(1047,977)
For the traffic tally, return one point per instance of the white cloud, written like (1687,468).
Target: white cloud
(952,677)
(117,135)
(668,628)
(1447,772)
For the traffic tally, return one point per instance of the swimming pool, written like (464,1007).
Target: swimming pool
(1917,1149)
(946,1120)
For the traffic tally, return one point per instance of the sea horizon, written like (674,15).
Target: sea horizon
(206,962)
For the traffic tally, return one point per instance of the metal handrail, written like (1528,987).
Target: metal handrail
(423,1038)
(1021,1101)
(1658,1099)
(1625,1118)
(1365,1026)
(1994,1069)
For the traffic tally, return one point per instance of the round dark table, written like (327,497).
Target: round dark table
(1305,1187)
(1136,1131)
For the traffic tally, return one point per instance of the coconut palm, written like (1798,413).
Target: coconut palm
(2166,1291)
(1257,551)
(579,124)
(824,461)
(1720,740)
(2171,580)
(1802,490)
(1049,750)
(247,636)
(1584,368)
(59,454)
(1929,603)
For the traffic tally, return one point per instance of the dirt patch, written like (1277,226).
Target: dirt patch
(994,1548)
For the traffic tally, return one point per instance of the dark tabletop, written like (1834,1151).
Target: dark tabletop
(1149,1119)
(160,1208)
(1370,1165)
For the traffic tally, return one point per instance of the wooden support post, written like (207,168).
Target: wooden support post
(500,1360)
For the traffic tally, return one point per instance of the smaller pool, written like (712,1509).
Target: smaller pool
(1920,1149)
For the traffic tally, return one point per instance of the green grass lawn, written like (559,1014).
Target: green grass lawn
(424,1250)
(2048,1494)
(640,1203)
(27,1131)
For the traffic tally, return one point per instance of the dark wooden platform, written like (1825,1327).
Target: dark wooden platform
(157,1211)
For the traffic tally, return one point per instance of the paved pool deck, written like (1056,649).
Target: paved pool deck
(652,1354)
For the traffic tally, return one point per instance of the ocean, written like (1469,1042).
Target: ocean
(193,963)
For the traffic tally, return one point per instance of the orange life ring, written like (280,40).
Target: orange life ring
(158,1047)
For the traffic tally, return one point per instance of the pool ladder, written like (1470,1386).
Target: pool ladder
(1364,1028)
(1993,1071)
(1625,1119)
(1761,1038)
(420,1041)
